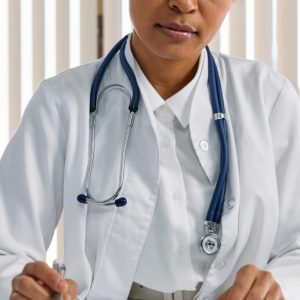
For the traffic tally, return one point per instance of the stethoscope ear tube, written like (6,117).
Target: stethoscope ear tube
(99,76)
(136,94)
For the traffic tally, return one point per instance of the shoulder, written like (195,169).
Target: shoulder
(249,72)
(76,82)
(68,90)
(61,99)
(253,82)
(78,77)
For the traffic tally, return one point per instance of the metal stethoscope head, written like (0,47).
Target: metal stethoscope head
(210,242)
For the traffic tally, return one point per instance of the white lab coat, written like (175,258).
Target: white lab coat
(42,172)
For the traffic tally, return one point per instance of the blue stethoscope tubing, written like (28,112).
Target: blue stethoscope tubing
(136,95)
(210,242)
(215,210)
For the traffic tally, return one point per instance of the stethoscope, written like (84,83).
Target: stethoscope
(210,242)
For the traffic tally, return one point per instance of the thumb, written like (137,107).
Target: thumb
(72,289)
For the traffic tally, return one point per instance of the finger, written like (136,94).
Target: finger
(27,287)
(275,293)
(42,284)
(41,271)
(16,296)
(72,288)
(243,283)
(261,286)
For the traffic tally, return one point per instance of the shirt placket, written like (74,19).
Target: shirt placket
(174,190)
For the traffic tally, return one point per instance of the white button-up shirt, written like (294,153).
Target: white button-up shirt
(171,259)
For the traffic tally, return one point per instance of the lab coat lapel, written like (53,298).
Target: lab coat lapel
(74,213)
(222,265)
(115,270)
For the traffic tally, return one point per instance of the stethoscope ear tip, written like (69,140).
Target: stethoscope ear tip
(82,199)
(120,202)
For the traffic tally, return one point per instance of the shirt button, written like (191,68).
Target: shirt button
(220,264)
(176,196)
(166,142)
(204,145)
(231,203)
(181,250)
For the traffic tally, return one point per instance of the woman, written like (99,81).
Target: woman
(148,249)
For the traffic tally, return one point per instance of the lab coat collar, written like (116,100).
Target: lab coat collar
(230,216)
(144,96)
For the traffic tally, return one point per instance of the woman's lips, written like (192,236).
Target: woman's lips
(177,32)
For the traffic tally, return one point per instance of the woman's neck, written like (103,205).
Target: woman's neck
(166,76)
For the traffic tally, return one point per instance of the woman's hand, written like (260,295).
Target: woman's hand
(39,281)
(252,283)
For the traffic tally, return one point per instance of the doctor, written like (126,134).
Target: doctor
(149,248)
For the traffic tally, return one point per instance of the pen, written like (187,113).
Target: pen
(61,270)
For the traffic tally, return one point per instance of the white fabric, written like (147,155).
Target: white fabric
(42,172)
(171,259)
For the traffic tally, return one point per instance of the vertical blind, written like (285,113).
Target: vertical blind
(40,38)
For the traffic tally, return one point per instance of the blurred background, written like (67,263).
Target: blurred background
(40,38)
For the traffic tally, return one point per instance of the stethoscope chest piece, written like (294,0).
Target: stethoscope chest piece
(210,243)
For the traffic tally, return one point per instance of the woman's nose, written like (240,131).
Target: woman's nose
(183,6)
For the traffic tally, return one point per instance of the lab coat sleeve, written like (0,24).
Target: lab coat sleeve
(31,187)
(285,129)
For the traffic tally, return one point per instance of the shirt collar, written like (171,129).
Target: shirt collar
(180,103)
